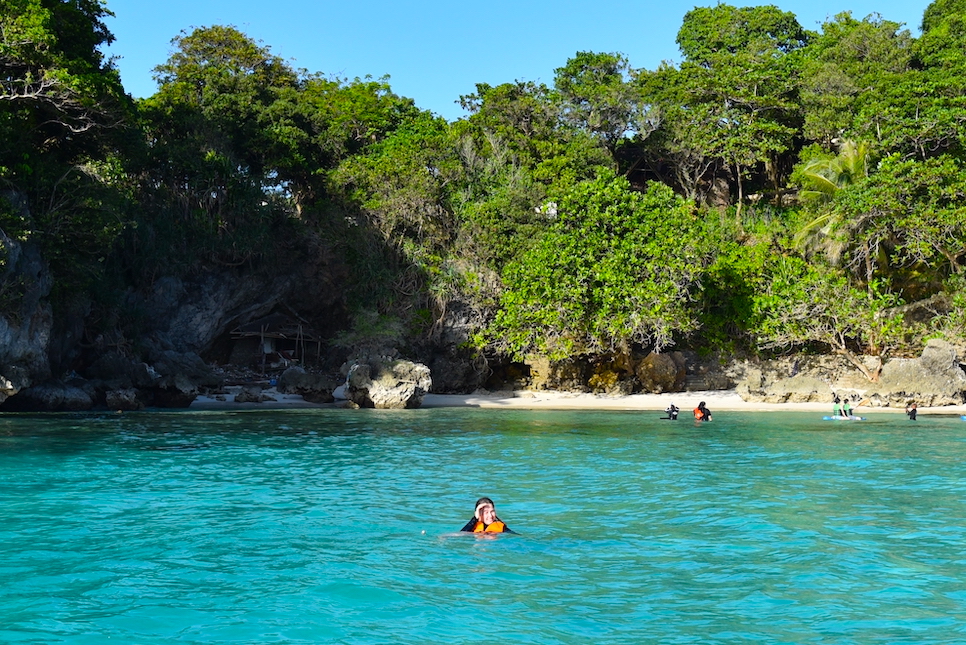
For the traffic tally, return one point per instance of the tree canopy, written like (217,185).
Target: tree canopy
(777,189)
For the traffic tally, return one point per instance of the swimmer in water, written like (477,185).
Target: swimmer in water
(484,519)
(702,413)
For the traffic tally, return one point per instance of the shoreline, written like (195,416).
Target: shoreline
(716,400)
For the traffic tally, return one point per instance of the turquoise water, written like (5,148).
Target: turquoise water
(307,527)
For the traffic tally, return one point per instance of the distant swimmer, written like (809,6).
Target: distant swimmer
(672,412)
(911,411)
(484,519)
(702,413)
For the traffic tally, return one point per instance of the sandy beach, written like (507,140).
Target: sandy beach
(716,400)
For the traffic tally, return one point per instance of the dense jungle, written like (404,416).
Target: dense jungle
(778,192)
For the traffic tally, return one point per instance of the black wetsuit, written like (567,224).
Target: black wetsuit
(912,413)
(672,412)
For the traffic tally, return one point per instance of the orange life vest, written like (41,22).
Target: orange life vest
(698,414)
(495,527)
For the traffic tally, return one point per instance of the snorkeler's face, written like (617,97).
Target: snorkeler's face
(487,514)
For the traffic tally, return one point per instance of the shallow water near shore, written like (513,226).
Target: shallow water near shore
(306,526)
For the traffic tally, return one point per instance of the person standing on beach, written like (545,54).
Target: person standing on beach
(702,413)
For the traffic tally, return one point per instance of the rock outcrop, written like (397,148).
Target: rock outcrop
(659,373)
(935,378)
(314,388)
(53,396)
(26,322)
(388,385)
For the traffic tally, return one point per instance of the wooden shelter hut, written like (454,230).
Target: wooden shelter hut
(275,341)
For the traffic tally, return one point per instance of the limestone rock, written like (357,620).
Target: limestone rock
(662,372)
(126,399)
(315,388)
(391,385)
(252,394)
(27,320)
(120,372)
(798,389)
(174,392)
(12,381)
(935,378)
(51,397)
(567,375)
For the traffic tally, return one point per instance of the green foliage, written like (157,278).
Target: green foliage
(599,96)
(847,67)
(615,268)
(710,34)
(807,304)
(520,209)
(732,105)
(400,186)
(910,211)
(61,109)
(740,270)
(370,329)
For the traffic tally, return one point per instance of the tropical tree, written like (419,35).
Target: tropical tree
(822,178)
(732,104)
(62,116)
(806,304)
(599,97)
(845,70)
(616,268)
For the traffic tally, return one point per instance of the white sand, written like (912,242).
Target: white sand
(716,400)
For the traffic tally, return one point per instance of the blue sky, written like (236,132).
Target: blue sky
(434,51)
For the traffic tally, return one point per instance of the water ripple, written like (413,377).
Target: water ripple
(336,526)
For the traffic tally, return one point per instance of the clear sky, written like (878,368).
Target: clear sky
(435,50)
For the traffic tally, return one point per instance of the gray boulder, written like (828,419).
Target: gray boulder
(51,397)
(126,399)
(662,372)
(176,391)
(252,394)
(119,372)
(13,379)
(798,389)
(388,385)
(933,379)
(26,318)
(315,388)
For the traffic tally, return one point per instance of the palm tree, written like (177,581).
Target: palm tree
(822,179)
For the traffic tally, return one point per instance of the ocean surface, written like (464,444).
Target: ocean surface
(337,526)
